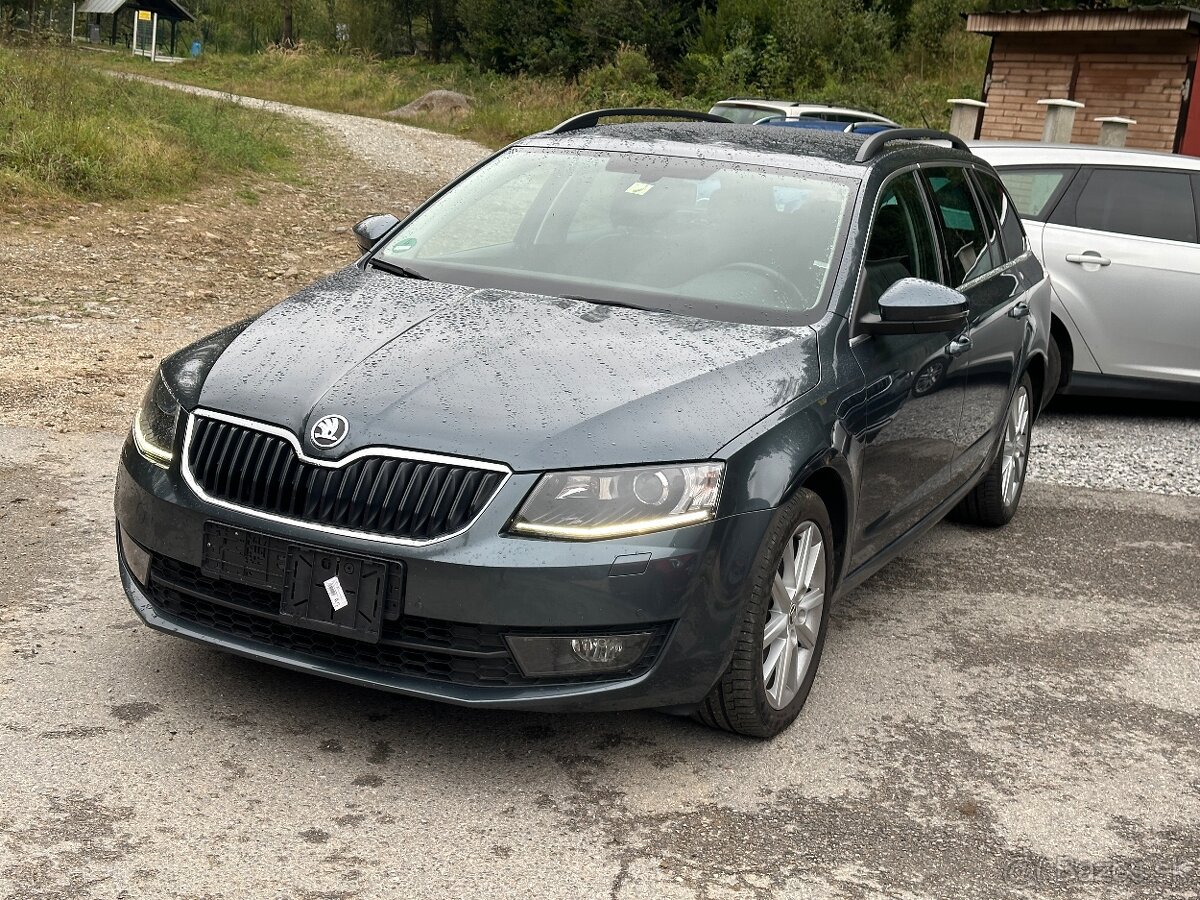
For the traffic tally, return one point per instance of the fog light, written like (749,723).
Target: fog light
(137,559)
(541,655)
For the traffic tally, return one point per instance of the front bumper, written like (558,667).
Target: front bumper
(462,596)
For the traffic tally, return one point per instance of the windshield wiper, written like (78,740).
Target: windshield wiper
(618,303)
(398,270)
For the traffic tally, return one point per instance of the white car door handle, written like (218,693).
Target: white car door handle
(1091,257)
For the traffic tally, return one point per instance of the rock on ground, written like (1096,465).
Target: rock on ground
(438,102)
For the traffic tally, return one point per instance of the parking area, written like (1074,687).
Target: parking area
(1002,714)
(1006,713)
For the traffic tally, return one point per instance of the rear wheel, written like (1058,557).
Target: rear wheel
(783,627)
(993,501)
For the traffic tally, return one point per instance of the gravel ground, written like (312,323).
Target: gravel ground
(1125,445)
(415,152)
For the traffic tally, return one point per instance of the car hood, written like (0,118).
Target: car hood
(531,381)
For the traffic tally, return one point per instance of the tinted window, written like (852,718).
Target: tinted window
(1033,189)
(1010,223)
(967,241)
(902,243)
(1150,204)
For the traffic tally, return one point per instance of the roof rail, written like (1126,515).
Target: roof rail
(873,145)
(592,119)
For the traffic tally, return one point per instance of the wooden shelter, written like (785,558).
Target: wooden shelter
(144,16)
(1138,62)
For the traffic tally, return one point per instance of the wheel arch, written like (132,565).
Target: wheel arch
(1036,370)
(832,487)
(1066,351)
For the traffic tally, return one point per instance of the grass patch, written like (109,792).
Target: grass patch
(509,107)
(68,131)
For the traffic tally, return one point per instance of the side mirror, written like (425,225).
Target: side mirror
(914,306)
(369,231)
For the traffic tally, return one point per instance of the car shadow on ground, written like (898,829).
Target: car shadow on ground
(1084,407)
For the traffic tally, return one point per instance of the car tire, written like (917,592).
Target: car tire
(782,628)
(994,500)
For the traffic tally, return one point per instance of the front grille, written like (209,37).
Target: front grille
(409,499)
(438,650)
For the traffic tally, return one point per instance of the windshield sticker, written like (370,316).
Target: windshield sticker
(638,187)
(402,246)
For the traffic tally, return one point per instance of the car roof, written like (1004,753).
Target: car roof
(828,151)
(1028,153)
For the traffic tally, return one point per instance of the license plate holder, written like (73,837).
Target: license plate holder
(336,593)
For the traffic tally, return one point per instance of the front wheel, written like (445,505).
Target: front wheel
(993,501)
(783,628)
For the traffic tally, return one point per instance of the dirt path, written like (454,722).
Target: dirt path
(416,152)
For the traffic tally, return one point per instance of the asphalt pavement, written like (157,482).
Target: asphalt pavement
(1008,713)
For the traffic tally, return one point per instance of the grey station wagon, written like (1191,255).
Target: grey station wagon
(604,424)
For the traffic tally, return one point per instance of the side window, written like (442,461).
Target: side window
(1149,204)
(1033,190)
(901,243)
(967,242)
(1010,222)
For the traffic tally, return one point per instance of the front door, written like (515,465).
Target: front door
(914,386)
(994,284)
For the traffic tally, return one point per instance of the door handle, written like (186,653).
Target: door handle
(1020,311)
(1089,257)
(958,346)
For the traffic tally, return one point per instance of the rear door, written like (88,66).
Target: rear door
(995,286)
(1125,260)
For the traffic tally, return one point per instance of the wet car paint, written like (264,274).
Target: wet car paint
(540,383)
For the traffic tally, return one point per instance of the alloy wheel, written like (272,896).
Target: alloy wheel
(794,617)
(1016,446)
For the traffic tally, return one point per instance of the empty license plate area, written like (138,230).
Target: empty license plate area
(321,589)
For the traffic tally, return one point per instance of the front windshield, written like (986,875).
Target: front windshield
(707,238)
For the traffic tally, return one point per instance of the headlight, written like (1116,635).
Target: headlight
(155,423)
(610,503)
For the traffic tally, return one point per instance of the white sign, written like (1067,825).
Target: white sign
(337,596)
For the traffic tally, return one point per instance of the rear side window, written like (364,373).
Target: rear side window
(1010,222)
(1149,204)
(971,252)
(1033,190)
(901,244)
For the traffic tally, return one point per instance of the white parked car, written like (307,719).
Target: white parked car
(749,111)
(1119,232)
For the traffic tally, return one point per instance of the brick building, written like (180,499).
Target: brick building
(1138,62)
